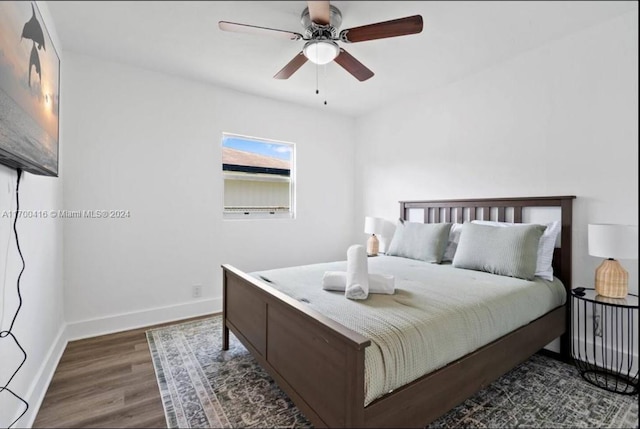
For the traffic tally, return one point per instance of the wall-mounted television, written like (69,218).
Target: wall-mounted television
(29,90)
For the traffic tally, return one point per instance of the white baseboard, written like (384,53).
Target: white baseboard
(41,381)
(139,319)
(553,346)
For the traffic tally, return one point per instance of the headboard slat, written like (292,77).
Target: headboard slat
(486,213)
(517,215)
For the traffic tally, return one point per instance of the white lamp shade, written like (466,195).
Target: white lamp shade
(613,241)
(320,51)
(373,225)
(389,228)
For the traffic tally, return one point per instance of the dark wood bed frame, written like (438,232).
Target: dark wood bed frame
(320,363)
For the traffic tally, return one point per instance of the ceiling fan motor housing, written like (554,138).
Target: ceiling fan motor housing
(320,32)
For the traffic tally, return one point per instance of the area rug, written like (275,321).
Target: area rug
(203,386)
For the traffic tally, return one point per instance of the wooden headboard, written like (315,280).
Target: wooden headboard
(507,210)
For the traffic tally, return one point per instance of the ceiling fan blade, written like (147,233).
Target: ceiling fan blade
(319,12)
(253,29)
(353,66)
(292,67)
(382,30)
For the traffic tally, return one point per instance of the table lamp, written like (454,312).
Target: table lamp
(373,226)
(613,242)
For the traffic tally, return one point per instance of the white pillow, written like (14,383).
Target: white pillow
(546,245)
(452,243)
(422,241)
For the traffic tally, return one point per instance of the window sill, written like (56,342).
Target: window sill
(256,216)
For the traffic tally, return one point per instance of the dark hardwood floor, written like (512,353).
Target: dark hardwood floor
(105,381)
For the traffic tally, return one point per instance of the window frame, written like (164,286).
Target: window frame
(255,214)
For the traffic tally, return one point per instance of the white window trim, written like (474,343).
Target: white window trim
(253,215)
(262,213)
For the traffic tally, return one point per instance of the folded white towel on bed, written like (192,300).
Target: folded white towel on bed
(357,286)
(378,283)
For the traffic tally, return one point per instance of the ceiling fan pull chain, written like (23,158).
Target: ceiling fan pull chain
(317,90)
(326,85)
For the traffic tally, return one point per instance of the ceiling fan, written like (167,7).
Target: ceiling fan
(321,22)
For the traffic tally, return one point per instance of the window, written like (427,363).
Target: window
(258,177)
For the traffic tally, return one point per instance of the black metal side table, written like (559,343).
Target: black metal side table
(604,338)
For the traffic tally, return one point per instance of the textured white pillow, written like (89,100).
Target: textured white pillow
(452,243)
(546,245)
(422,241)
(511,252)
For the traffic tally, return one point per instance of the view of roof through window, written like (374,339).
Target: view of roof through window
(257,176)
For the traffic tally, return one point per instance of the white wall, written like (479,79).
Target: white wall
(150,143)
(543,123)
(557,120)
(40,325)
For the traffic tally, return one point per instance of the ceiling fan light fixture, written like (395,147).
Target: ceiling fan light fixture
(321,51)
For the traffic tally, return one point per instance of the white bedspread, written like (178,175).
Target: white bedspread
(437,314)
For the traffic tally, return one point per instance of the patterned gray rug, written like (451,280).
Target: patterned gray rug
(202,386)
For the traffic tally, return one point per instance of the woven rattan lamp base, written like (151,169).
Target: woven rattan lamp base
(372,245)
(612,280)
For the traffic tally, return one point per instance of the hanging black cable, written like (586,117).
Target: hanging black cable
(15,231)
(9,332)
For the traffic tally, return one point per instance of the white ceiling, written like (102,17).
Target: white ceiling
(182,38)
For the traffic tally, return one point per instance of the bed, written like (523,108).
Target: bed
(320,363)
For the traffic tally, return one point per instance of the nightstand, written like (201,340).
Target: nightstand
(603,339)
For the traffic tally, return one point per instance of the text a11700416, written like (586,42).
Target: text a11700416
(66,214)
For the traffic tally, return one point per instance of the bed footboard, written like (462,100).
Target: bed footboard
(298,347)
